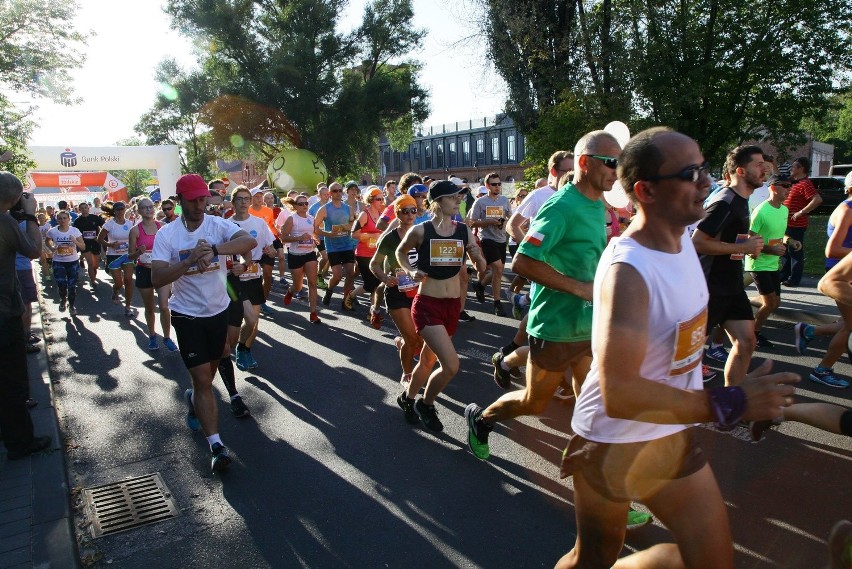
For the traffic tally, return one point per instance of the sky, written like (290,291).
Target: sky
(116,80)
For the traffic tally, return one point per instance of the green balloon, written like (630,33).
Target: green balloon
(296,169)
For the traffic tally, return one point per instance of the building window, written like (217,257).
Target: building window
(480,151)
(427,155)
(466,153)
(439,154)
(511,154)
(452,162)
(495,149)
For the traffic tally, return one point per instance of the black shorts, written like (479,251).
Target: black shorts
(29,292)
(767,282)
(493,251)
(277,244)
(92,246)
(650,464)
(394,299)
(721,308)
(557,356)
(267,260)
(321,246)
(143,277)
(201,339)
(251,290)
(371,282)
(235,313)
(299,261)
(341,257)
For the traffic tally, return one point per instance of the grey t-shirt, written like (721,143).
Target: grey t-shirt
(487,207)
(12,241)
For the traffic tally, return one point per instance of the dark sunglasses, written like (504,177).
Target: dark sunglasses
(782,185)
(168,209)
(495,184)
(608,161)
(689,174)
(408,210)
(336,191)
(301,203)
(377,199)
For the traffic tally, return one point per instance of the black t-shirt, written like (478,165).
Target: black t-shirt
(89,225)
(726,216)
(441,257)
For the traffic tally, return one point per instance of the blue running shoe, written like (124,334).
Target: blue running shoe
(719,353)
(152,343)
(827,377)
(191,420)
(252,363)
(220,459)
(243,361)
(266,310)
(170,345)
(801,340)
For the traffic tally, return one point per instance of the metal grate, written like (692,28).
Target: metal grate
(135,502)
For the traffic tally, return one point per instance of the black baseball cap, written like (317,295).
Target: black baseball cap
(443,188)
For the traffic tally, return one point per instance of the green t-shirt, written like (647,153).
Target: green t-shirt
(770,223)
(387,245)
(569,234)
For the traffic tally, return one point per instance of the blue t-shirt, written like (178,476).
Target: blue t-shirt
(22,262)
(336,216)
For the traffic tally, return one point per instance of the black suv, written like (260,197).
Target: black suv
(832,192)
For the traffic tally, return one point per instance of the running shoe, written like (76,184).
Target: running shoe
(239,408)
(220,457)
(564,393)
(128,312)
(376,320)
(407,406)
(479,289)
(191,420)
(252,363)
(326,298)
(801,340)
(762,341)
(152,343)
(348,302)
(465,317)
(284,282)
(498,309)
(757,428)
(33,349)
(636,520)
(719,353)
(72,310)
(288,298)
(170,345)
(321,284)
(707,373)
(266,310)
(301,295)
(840,545)
(517,307)
(62,305)
(502,377)
(428,416)
(33,339)
(242,362)
(826,376)
(315,319)
(477,438)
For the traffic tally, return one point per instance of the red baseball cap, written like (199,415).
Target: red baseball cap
(192,187)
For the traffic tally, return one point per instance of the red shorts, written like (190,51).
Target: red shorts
(431,311)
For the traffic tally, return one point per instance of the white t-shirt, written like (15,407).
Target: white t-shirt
(301,225)
(66,249)
(194,293)
(119,233)
(258,229)
(530,206)
(676,333)
(282,217)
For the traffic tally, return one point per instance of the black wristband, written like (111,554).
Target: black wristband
(215,250)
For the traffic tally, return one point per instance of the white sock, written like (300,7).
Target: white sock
(213,439)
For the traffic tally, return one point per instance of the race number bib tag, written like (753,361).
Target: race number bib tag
(689,343)
(64,250)
(371,242)
(122,246)
(741,238)
(493,212)
(145,258)
(774,242)
(446,252)
(252,272)
(89,235)
(305,245)
(339,229)
(404,280)
(193,268)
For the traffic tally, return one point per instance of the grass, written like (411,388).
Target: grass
(815,239)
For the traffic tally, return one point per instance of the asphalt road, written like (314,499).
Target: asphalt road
(328,474)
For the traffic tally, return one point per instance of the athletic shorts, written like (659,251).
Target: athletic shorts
(267,260)
(728,307)
(493,251)
(143,277)
(299,261)
(111,258)
(394,299)
(341,257)
(650,463)
(29,292)
(92,246)
(277,244)
(432,311)
(235,313)
(201,339)
(251,290)
(767,282)
(321,246)
(371,281)
(557,356)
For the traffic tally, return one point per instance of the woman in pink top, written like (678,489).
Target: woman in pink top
(141,244)
(367,235)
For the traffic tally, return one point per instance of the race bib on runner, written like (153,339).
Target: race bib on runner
(305,245)
(339,229)
(145,258)
(89,234)
(493,212)
(122,246)
(446,252)
(371,242)
(404,280)
(252,272)
(193,268)
(741,238)
(689,343)
(65,250)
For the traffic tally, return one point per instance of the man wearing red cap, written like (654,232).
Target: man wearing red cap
(188,255)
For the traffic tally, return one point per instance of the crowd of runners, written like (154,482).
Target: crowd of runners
(600,317)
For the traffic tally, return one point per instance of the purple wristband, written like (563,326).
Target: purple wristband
(728,405)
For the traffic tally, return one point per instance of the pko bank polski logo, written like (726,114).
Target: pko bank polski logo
(68,158)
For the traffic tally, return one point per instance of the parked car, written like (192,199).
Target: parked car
(832,192)
(840,169)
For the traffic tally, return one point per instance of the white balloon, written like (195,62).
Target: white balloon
(617,197)
(620,131)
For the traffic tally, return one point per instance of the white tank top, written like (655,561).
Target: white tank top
(301,225)
(676,333)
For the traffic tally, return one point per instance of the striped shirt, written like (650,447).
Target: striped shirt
(800,195)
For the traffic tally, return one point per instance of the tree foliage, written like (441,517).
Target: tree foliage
(835,127)
(15,129)
(297,80)
(718,70)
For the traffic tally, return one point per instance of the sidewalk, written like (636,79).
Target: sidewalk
(801,304)
(35,518)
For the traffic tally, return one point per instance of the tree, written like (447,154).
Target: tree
(312,86)
(15,129)
(835,127)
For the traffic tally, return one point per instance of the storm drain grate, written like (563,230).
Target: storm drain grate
(135,502)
